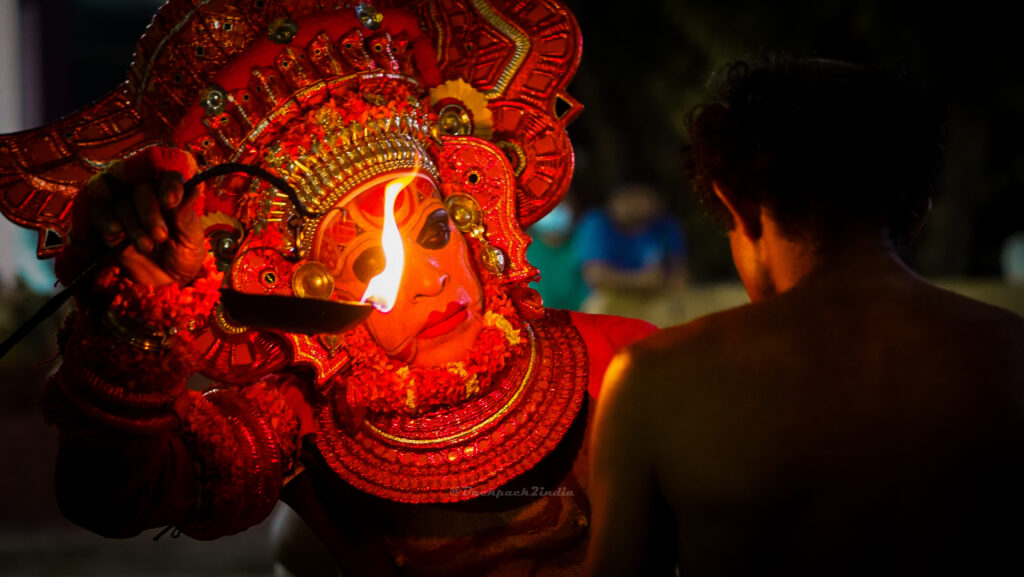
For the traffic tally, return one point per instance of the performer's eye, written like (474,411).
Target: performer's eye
(369,264)
(437,231)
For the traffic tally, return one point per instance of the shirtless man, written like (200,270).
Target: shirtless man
(853,419)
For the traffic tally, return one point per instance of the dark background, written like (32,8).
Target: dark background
(645,65)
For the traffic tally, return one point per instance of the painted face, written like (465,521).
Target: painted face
(438,311)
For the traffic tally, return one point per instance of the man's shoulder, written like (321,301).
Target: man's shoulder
(690,355)
(682,386)
(702,335)
(959,306)
(981,332)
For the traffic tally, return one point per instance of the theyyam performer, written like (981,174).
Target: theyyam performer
(296,237)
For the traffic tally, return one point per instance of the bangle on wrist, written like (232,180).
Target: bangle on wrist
(136,333)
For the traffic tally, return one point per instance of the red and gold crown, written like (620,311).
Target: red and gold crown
(475,91)
(519,55)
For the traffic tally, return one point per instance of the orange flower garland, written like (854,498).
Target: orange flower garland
(377,383)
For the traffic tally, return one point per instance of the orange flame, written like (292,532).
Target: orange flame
(382,290)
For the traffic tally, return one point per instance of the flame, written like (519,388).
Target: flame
(382,290)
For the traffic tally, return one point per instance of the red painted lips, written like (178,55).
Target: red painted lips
(441,322)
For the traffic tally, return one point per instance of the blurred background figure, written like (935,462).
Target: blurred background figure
(25,282)
(633,256)
(19,266)
(1012,259)
(554,252)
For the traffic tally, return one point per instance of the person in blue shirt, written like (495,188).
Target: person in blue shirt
(633,256)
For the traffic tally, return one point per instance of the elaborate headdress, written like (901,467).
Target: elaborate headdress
(480,87)
(326,96)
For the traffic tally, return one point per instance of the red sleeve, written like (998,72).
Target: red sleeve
(215,470)
(604,335)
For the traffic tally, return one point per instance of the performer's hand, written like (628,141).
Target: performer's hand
(145,201)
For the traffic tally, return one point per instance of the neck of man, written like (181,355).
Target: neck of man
(787,262)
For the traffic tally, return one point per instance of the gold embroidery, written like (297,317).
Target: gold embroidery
(501,412)
(521,41)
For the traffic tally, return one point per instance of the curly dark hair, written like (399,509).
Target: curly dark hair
(823,145)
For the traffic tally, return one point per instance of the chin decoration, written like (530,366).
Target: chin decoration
(327,96)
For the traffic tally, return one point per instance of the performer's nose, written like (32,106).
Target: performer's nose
(425,276)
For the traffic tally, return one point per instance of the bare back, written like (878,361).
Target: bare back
(878,425)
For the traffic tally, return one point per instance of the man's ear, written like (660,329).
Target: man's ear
(920,218)
(745,215)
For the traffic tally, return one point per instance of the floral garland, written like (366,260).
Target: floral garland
(164,307)
(165,311)
(105,378)
(377,383)
(352,105)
